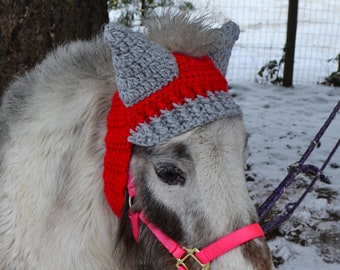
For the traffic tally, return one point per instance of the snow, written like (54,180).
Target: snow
(282,122)
(299,258)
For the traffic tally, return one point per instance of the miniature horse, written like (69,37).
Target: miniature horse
(70,145)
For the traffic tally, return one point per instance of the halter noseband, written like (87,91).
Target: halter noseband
(181,254)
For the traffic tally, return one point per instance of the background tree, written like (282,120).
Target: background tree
(29,29)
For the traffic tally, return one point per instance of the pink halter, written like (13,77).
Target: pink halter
(202,257)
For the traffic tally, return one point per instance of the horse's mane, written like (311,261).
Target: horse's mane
(182,33)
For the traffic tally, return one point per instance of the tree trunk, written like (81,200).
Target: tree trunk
(31,28)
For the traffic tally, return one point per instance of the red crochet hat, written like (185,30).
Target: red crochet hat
(160,95)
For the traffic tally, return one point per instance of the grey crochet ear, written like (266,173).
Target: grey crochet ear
(142,66)
(220,54)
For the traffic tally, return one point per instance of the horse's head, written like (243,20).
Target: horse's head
(174,127)
(174,139)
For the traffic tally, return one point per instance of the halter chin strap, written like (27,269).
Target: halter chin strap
(202,257)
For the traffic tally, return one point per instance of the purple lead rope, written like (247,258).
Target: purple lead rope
(293,171)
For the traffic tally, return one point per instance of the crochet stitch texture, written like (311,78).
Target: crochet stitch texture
(141,68)
(154,104)
(184,103)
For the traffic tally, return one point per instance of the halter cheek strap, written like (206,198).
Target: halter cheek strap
(202,257)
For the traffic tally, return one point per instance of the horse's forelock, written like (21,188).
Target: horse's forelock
(182,33)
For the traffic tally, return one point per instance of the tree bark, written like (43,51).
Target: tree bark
(31,28)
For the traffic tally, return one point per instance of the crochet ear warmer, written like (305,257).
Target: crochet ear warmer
(160,95)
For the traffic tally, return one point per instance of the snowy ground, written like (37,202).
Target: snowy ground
(281,123)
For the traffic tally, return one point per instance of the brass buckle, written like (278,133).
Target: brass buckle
(191,253)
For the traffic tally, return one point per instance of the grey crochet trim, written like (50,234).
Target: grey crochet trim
(142,66)
(182,118)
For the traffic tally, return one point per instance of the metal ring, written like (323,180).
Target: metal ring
(130,201)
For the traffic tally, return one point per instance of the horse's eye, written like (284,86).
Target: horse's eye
(170,174)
